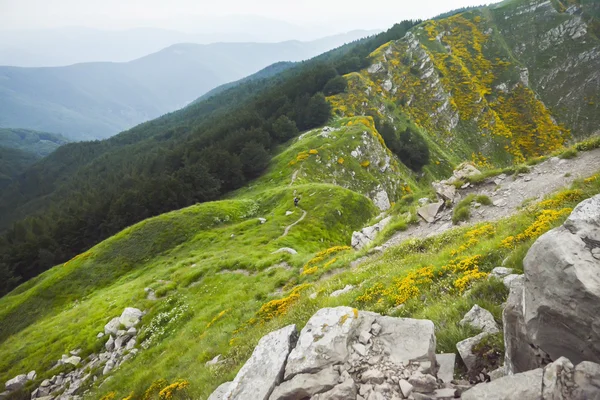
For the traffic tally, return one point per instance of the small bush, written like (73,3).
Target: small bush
(568,154)
(483,199)
(590,144)
(461,214)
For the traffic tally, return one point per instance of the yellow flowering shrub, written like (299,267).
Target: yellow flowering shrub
(472,237)
(108,396)
(154,388)
(175,390)
(566,196)
(467,278)
(130,397)
(542,224)
(276,308)
(313,151)
(365,164)
(402,290)
(217,317)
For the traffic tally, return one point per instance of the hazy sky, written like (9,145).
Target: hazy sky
(179,14)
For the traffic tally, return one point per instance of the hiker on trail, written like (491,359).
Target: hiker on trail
(296,200)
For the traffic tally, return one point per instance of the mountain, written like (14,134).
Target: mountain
(38,143)
(96,100)
(186,226)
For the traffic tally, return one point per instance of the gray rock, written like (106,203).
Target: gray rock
(132,331)
(423,383)
(16,383)
(382,200)
(343,391)
(368,234)
(262,220)
(376,396)
(360,349)
(465,349)
(523,386)
(499,203)
(131,344)
(497,373)
(73,360)
(216,360)
(501,272)
(405,387)
(510,279)
(130,317)
(562,287)
(31,375)
(430,211)
(480,318)
(586,378)
(110,364)
(444,393)
(364,337)
(446,366)
(324,341)
(373,376)
(100,334)
(122,340)
(286,250)
(465,171)
(445,191)
(112,327)
(220,392)
(340,292)
(263,371)
(424,200)
(306,385)
(110,344)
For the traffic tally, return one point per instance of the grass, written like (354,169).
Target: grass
(462,211)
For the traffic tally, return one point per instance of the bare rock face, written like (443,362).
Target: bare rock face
(562,287)
(368,234)
(264,370)
(220,391)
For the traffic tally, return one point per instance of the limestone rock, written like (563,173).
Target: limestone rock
(446,366)
(586,378)
(501,272)
(340,292)
(444,190)
(343,391)
(480,318)
(562,287)
(465,349)
(373,376)
(465,171)
(73,360)
(405,387)
(512,279)
(220,391)
(523,386)
(130,317)
(381,200)
(112,327)
(110,344)
(288,250)
(430,211)
(16,383)
(306,385)
(263,371)
(31,375)
(423,383)
(368,234)
(324,341)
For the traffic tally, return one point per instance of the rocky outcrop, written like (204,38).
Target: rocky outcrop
(478,318)
(557,381)
(429,212)
(264,370)
(562,287)
(341,354)
(368,234)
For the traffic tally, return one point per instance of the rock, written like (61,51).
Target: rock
(499,203)
(45,382)
(108,367)
(446,363)
(444,190)
(381,200)
(132,331)
(112,327)
(364,337)
(288,213)
(100,334)
(73,360)
(497,373)
(131,344)
(375,329)
(444,393)
(523,386)
(376,396)
(324,341)
(360,349)
(263,371)
(130,317)
(122,340)
(562,287)
(16,383)
(501,272)
(586,378)
(424,200)
(511,279)
(430,211)
(405,387)
(286,250)
(216,360)
(220,392)
(465,349)
(343,391)
(262,220)
(305,385)
(31,375)
(373,376)
(422,383)
(368,234)
(465,171)
(340,292)
(110,344)
(480,318)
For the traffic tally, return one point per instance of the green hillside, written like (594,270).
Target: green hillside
(38,143)
(191,217)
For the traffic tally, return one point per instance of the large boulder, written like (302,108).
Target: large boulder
(368,234)
(130,317)
(264,370)
(562,287)
(480,318)
(112,326)
(220,391)
(444,190)
(523,386)
(16,383)
(324,341)
(430,211)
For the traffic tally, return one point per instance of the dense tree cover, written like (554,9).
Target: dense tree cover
(85,192)
(12,163)
(409,146)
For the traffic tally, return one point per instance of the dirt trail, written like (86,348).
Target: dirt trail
(287,229)
(508,194)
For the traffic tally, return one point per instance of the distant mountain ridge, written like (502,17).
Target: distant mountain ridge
(97,100)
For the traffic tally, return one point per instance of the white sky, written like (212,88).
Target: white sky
(173,14)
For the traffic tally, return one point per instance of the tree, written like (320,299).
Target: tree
(284,128)
(317,112)
(335,85)
(254,159)
(413,150)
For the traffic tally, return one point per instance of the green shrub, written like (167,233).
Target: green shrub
(568,154)
(483,199)
(461,214)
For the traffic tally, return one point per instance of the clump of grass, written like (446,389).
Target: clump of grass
(589,144)
(462,211)
(568,154)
